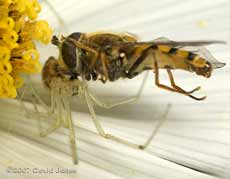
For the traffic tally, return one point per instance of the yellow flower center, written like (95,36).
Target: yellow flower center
(18,55)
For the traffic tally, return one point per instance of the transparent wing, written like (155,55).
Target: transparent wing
(161,39)
(166,41)
(179,44)
(131,35)
(204,52)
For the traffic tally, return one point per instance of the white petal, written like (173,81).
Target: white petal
(196,134)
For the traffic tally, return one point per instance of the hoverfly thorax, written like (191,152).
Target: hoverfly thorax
(117,61)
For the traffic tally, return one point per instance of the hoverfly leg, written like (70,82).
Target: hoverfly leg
(83,47)
(87,49)
(198,99)
(104,62)
(92,63)
(157,81)
(179,89)
(194,90)
(175,88)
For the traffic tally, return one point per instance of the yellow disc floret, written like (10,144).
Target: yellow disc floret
(18,55)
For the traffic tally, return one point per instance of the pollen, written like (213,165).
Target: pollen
(19,30)
(202,23)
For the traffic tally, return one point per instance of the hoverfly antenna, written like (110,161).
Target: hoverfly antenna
(63,37)
(55,40)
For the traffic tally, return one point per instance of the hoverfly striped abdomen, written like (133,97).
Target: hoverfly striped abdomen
(193,62)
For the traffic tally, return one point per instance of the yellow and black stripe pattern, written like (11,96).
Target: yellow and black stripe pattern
(178,52)
(192,58)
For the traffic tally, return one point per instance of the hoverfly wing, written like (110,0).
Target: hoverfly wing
(130,37)
(165,41)
(197,47)
(162,39)
(178,44)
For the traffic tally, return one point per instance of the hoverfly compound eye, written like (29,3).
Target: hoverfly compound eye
(75,35)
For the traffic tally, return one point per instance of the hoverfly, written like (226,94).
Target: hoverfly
(109,57)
